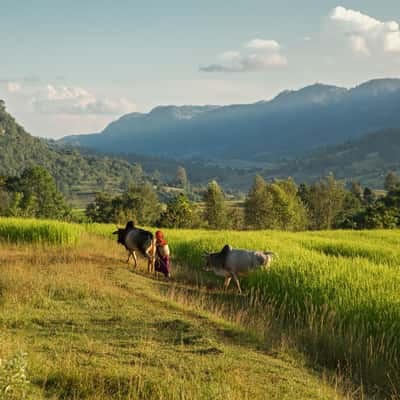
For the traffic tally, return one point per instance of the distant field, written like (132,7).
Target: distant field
(334,294)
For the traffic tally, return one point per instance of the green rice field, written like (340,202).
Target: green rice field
(335,293)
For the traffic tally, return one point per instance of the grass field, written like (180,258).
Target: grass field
(336,292)
(18,230)
(322,322)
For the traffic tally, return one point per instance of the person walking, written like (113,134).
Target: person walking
(162,263)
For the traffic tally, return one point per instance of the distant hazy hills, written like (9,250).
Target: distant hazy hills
(293,123)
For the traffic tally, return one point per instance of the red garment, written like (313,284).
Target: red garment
(160,239)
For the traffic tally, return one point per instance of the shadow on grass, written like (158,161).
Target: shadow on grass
(75,385)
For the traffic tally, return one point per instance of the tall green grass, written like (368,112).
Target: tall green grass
(104,230)
(339,290)
(20,230)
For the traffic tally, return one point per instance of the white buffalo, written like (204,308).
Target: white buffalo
(232,263)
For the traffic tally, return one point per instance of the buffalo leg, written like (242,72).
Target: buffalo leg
(235,278)
(151,254)
(227,282)
(129,256)
(135,258)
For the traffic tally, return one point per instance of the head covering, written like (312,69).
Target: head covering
(160,238)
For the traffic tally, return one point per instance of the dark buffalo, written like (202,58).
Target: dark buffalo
(136,239)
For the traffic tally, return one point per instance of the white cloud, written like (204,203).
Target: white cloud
(359,44)
(14,87)
(265,54)
(307,38)
(229,56)
(367,35)
(53,99)
(262,44)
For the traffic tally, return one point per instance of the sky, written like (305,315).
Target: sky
(73,67)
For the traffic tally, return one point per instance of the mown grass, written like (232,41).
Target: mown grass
(93,330)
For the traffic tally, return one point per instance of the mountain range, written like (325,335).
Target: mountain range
(292,124)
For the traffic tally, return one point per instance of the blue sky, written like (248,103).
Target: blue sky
(72,67)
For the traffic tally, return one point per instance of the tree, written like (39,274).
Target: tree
(275,206)
(101,209)
(352,206)
(369,196)
(303,192)
(181,178)
(296,217)
(156,177)
(180,213)
(324,202)
(137,174)
(39,195)
(392,181)
(236,218)
(356,189)
(214,207)
(144,203)
(257,205)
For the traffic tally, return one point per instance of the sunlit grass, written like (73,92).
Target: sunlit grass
(21,230)
(93,330)
(335,293)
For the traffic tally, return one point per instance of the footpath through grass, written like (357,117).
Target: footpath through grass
(91,329)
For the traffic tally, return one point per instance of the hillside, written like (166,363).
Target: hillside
(75,174)
(367,159)
(291,124)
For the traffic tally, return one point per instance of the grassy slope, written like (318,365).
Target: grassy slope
(92,329)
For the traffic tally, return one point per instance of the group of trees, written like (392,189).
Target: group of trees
(281,204)
(139,203)
(32,194)
(274,206)
(325,204)
(378,212)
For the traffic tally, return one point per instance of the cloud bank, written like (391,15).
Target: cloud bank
(367,35)
(68,100)
(75,100)
(260,54)
(13,87)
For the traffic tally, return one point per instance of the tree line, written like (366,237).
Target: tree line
(281,204)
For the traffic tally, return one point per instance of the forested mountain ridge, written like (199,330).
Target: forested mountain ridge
(72,170)
(291,124)
(367,159)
